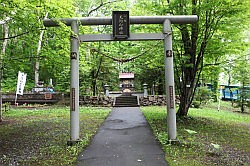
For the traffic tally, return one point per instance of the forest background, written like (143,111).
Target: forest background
(217,45)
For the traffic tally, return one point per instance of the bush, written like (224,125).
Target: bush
(202,96)
(244,99)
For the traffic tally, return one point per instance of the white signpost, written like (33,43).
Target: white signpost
(20,84)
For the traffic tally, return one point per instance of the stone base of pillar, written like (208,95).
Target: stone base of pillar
(72,143)
(174,142)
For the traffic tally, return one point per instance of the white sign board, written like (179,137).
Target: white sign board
(21,82)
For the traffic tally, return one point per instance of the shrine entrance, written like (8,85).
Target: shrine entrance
(126,82)
(121,22)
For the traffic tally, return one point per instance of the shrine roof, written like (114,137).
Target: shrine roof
(126,75)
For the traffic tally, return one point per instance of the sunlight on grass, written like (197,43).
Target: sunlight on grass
(222,115)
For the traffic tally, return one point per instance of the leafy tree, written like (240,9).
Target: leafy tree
(24,28)
(199,49)
(213,16)
(201,45)
(241,68)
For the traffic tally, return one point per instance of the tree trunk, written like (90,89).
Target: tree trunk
(242,97)
(93,82)
(185,100)
(193,55)
(95,76)
(242,105)
(37,64)
(160,86)
(188,73)
(190,65)
(215,90)
(6,34)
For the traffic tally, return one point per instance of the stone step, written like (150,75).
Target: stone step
(126,101)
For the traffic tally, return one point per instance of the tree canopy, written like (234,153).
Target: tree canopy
(201,51)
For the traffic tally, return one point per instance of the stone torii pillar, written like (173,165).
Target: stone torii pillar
(169,81)
(74,85)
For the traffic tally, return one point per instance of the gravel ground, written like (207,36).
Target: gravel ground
(39,137)
(227,156)
(24,140)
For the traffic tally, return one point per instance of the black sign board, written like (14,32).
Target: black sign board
(169,53)
(73,98)
(171,96)
(120,22)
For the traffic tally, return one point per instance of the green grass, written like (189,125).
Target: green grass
(229,130)
(207,136)
(225,116)
(39,137)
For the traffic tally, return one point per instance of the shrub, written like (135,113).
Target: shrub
(243,99)
(202,96)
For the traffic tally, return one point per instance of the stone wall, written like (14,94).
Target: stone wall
(153,100)
(96,101)
(108,101)
(31,98)
(157,100)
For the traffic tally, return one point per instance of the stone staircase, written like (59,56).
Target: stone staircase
(126,100)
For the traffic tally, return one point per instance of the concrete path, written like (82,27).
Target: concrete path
(123,140)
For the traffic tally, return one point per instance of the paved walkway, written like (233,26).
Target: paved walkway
(123,140)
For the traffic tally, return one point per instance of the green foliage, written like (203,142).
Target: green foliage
(216,146)
(241,67)
(202,97)
(215,149)
(222,31)
(243,100)
(25,25)
(191,131)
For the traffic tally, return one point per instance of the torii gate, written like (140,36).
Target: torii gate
(121,33)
